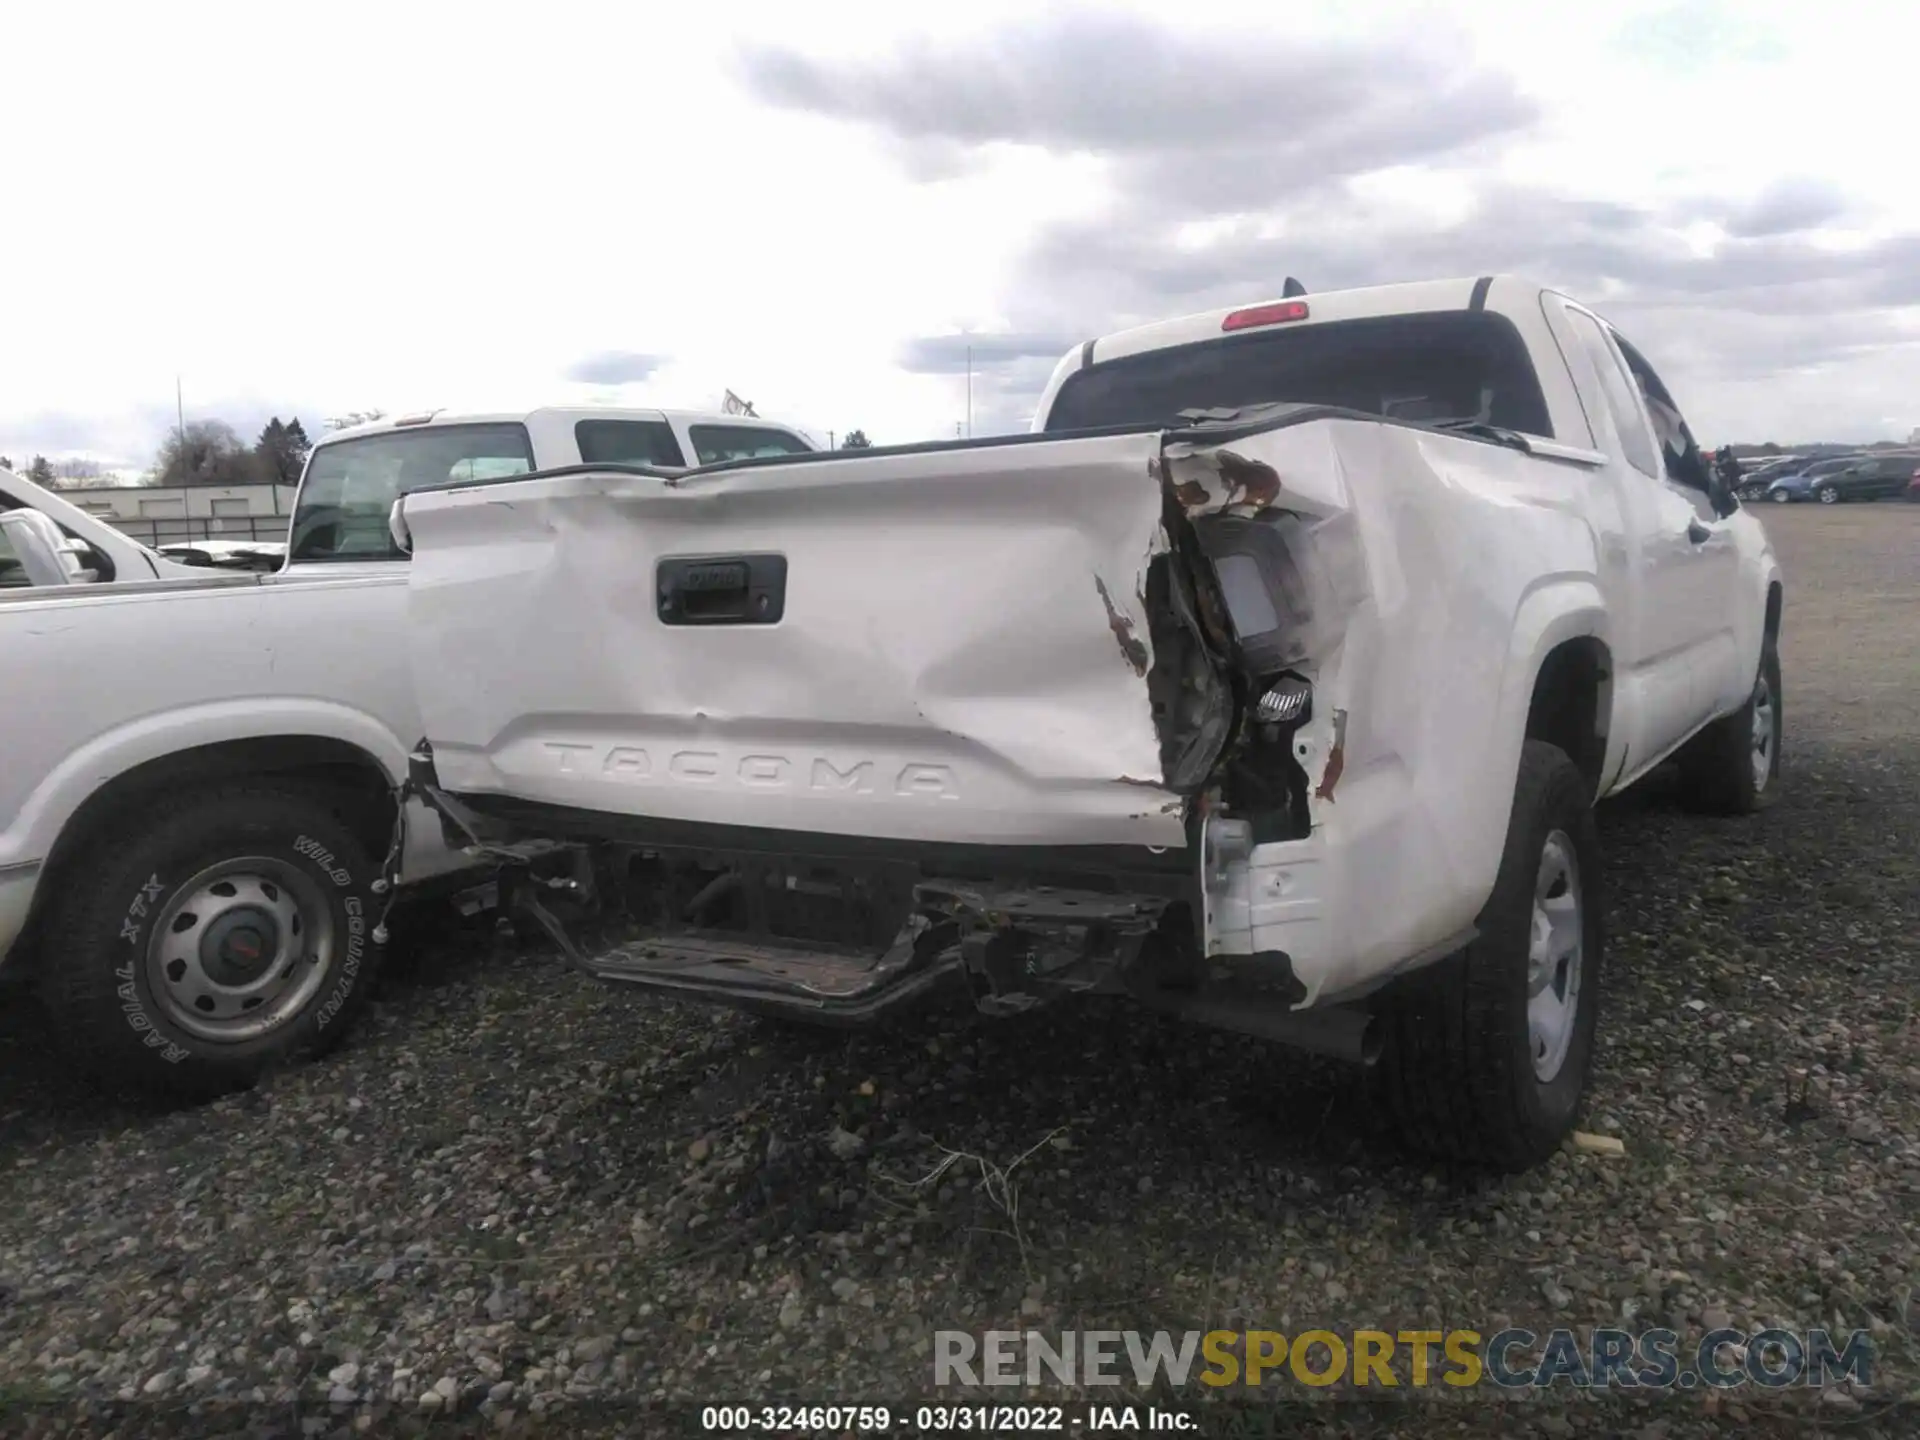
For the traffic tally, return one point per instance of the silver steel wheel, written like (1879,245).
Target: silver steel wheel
(1781,497)
(1553,957)
(1766,733)
(1826,495)
(240,949)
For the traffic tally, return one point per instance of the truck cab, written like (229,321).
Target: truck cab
(354,476)
(100,553)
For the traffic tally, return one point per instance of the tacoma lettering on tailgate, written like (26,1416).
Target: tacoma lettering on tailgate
(760,771)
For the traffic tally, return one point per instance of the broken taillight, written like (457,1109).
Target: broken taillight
(1265,315)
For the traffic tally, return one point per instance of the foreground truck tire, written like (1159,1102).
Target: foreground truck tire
(1487,1052)
(233,933)
(1729,767)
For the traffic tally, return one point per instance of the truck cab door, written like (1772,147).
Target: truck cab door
(1674,655)
(1723,671)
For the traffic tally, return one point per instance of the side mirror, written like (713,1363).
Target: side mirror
(46,553)
(397,526)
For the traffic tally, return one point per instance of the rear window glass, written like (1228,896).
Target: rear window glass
(627,442)
(350,485)
(1445,365)
(715,443)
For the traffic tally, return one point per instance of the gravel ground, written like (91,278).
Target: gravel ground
(516,1196)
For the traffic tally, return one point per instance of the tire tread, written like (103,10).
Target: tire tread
(1448,1075)
(80,993)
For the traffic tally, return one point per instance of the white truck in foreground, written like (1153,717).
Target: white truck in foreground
(198,769)
(1271,681)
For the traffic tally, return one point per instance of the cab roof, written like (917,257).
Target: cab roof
(431,419)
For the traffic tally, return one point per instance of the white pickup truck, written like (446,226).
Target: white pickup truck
(1271,680)
(198,773)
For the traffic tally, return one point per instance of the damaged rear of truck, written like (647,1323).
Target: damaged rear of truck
(1237,711)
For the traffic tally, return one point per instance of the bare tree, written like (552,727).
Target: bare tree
(206,452)
(81,474)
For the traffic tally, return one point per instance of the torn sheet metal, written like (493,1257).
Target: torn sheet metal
(1420,556)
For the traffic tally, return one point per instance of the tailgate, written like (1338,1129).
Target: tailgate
(950,645)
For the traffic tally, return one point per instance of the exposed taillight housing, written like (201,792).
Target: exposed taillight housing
(1277,313)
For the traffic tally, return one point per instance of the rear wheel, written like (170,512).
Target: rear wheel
(1781,497)
(1827,495)
(1487,1052)
(1730,767)
(233,932)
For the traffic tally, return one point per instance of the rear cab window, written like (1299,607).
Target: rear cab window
(628,442)
(713,444)
(1437,366)
(350,485)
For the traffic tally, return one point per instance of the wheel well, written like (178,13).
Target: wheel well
(1572,703)
(1774,596)
(359,787)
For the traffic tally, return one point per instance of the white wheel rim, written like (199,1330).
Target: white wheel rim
(240,949)
(1555,950)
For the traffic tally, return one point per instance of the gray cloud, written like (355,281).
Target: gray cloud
(1260,136)
(1195,117)
(1755,307)
(955,354)
(1787,207)
(1592,248)
(615,367)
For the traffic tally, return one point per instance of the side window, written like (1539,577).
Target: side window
(1622,395)
(1680,454)
(716,443)
(628,442)
(12,573)
(351,485)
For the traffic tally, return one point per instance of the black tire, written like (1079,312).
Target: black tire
(299,881)
(1827,495)
(1457,1073)
(1719,772)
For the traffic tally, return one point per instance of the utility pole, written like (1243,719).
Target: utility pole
(179,409)
(830,444)
(969,392)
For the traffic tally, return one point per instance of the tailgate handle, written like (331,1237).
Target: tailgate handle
(722,590)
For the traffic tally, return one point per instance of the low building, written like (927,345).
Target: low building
(158,514)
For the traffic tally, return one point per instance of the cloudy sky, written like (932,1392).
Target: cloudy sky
(309,209)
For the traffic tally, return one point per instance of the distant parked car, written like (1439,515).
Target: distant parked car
(1874,477)
(1913,487)
(1802,483)
(1755,480)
